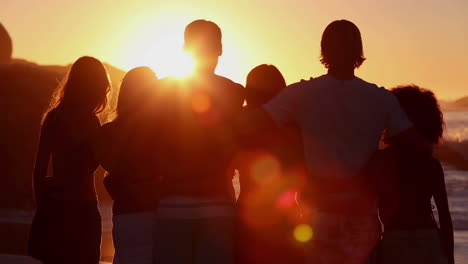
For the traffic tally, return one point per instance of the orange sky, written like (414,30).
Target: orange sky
(425,44)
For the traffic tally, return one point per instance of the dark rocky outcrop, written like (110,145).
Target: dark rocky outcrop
(6,46)
(460,104)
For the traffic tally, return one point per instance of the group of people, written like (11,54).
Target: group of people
(331,170)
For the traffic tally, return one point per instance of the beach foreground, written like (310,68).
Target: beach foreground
(461,252)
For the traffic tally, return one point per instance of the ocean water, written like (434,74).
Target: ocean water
(456,127)
(456,136)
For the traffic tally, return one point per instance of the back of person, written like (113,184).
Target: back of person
(119,150)
(67,208)
(271,169)
(72,161)
(406,183)
(404,202)
(196,137)
(343,123)
(341,118)
(194,145)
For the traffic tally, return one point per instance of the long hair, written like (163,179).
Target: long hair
(423,111)
(84,89)
(135,90)
(263,83)
(341,45)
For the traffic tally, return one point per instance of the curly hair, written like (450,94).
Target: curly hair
(423,110)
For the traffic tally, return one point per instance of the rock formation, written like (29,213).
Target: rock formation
(6,46)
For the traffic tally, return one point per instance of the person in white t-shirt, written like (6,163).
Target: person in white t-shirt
(341,118)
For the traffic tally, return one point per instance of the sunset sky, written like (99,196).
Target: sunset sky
(421,42)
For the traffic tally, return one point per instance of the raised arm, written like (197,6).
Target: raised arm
(42,161)
(281,110)
(445,220)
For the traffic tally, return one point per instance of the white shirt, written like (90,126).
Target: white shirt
(341,121)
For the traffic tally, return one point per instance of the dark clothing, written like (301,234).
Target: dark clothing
(406,184)
(66,232)
(64,164)
(271,167)
(410,247)
(131,187)
(67,225)
(193,135)
(209,241)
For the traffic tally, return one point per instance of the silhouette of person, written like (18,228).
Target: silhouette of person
(271,168)
(407,182)
(341,118)
(130,188)
(194,148)
(6,46)
(67,224)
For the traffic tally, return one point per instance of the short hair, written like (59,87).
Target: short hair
(263,83)
(203,37)
(341,45)
(423,111)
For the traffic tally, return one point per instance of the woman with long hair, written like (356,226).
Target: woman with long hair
(131,186)
(271,167)
(67,224)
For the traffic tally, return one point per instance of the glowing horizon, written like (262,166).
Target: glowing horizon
(404,42)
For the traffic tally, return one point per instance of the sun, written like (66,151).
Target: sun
(160,46)
(158,43)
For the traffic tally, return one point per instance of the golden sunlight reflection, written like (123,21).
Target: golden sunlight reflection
(286,200)
(303,233)
(201,103)
(159,45)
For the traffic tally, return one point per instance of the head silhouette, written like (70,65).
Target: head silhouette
(341,46)
(203,42)
(6,46)
(263,83)
(84,88)
(423,111)
(135,90)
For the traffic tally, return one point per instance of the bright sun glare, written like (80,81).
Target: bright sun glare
(160,46)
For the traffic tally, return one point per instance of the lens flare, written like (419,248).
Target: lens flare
(201,103)
(286,200)
(265,169)
(303,233)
